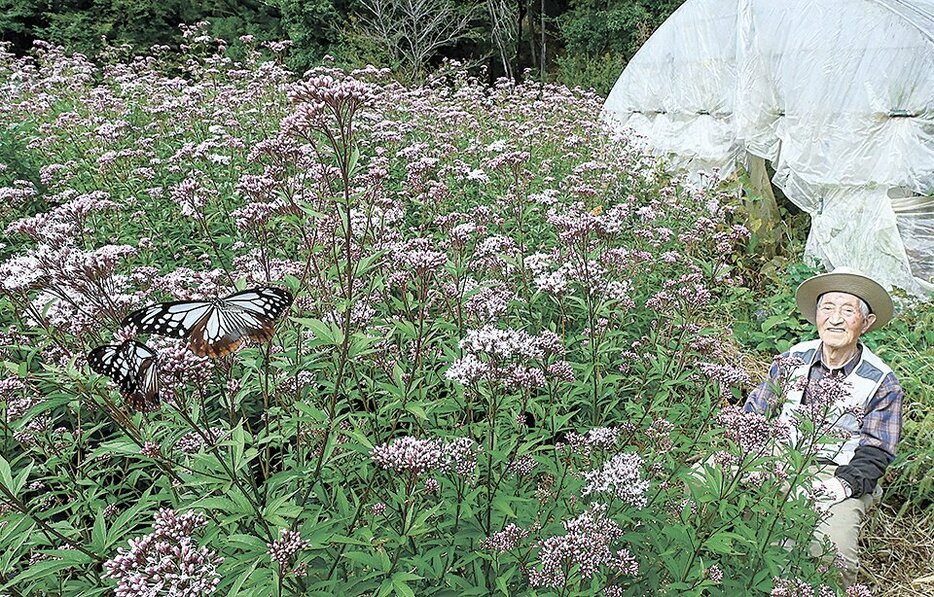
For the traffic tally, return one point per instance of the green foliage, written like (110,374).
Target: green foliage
(595,39)
(21,169)
(91,27)
(598,73)
(594,28)
(775,324)
(140,23)
(21,163)
(313,26)
(907,345)
(16,17)
(608,33)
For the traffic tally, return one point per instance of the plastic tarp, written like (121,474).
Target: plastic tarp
(838,95)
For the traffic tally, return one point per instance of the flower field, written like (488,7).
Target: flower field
(514,343)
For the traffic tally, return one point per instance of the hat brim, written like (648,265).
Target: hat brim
(878,299)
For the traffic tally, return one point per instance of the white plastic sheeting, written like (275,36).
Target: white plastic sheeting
(838,95)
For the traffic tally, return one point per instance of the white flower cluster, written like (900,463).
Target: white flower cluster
(501,343)
(621,476)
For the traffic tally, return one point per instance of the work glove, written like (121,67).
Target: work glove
(829,492)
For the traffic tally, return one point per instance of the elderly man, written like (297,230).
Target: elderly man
(844,305)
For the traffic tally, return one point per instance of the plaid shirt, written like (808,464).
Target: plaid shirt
(882,423)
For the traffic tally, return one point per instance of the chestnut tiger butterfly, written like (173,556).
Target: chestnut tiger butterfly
(215,328)
(134,367)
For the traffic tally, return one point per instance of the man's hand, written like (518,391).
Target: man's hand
(829,492)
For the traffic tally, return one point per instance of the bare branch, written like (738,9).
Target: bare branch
(412,31)
(504,18)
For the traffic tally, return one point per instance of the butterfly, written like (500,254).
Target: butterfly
(215,328)
(134,367)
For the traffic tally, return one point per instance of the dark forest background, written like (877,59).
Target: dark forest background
(576,42)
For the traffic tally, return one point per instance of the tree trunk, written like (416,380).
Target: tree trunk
(542,71)
(523,9)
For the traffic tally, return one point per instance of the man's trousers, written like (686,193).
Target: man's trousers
(841,525)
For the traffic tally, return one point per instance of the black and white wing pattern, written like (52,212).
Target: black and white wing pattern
(216,328)
(134,367)
(247,314)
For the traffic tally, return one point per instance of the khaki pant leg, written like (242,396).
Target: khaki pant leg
(841,526)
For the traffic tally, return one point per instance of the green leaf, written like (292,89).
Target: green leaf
(45,568)
(247,543)
(416,409)
(322,331)
(501,504)
(720,543)
(401,588)
(16,533)
(241,578)
(5,476)
(773,321)
(361,557)
(385,588)
(98,532)
(21,479)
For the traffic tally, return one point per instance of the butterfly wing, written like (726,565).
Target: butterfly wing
(222,330)
(109,360)
(245,314)
(265,301)
(174,319)
(145,360)
(216,328)
(133,366)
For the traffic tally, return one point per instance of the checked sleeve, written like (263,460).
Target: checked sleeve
(758,400)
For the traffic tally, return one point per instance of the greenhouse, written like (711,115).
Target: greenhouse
(830,99)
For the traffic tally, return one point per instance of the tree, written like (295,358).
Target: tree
(412,31)
(600,36)
(506,29)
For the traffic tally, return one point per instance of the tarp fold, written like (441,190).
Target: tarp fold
(837,95)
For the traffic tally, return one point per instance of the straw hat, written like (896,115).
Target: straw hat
(850,281)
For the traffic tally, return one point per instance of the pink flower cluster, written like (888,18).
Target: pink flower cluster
(752,432)
(192,442)
(522,466)
(597,439)
(822,409)
(587,545)
(488,303)
(151,450)
(283,549)
(419,255)
(715,574)
(460,457)
(795,587)
(727,376)
(178,365)
(167,561)
(325,90)
(824,393)
(509,355)
(18,396)
(409,455)
(419,456)
(493,254)
(505,540)
(786,364)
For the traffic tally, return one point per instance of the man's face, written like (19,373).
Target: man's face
(839,320)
